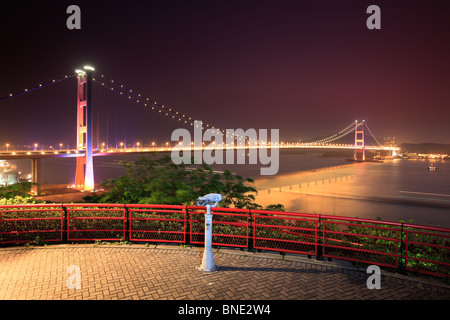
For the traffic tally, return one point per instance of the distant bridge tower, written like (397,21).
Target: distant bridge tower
(359,140)
(84,175)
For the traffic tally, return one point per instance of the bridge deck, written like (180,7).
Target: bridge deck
(20,154)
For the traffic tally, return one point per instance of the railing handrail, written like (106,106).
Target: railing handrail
(30,205)
(218,209)
(86,205)
(156,206)
(282,213)
(423,227)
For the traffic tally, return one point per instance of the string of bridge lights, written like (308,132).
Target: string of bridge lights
(41,85)
(147,102)
(162,109)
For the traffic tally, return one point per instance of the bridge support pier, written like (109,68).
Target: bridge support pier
(359,141)
(36,175)
(80,173)
(84,176)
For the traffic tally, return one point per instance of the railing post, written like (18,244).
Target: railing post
(250,230)
(187,226)
(320,240)
(64,239)
(402,266)
(127,224)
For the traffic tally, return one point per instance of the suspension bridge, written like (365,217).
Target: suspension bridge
(88,142)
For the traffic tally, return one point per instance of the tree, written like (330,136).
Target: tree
(237,193)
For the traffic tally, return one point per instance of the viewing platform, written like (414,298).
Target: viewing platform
(169,272)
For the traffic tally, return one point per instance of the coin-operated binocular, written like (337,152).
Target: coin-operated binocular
(208,201)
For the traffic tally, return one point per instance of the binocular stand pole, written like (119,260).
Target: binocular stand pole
(208,259)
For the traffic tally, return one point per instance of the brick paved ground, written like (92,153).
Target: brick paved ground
(170,272)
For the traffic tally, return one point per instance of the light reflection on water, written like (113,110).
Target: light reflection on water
(393,190)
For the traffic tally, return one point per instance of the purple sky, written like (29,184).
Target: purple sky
(308,68)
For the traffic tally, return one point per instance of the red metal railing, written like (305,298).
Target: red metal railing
(157,223)
(229,228)
(391,244)
(19,224)
(427,249)
(286,232)
(361,240)
(87,222)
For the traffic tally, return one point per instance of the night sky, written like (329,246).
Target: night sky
(308,68)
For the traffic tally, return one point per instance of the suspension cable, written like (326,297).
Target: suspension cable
(13,95)
(338,135)
(373,135)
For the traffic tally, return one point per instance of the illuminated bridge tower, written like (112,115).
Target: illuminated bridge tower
(359,141)
(84,176)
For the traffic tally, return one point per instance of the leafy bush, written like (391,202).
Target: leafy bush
(17,200)
(16,194)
